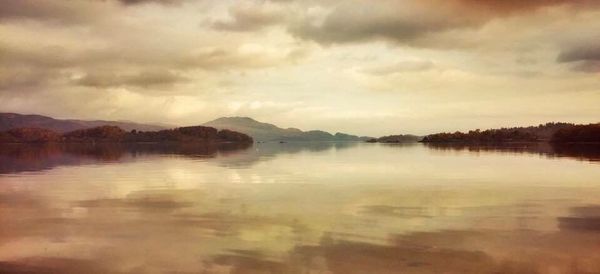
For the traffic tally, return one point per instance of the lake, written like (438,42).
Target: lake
(299,208)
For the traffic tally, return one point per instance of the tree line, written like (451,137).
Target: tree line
(549,132)
(116,134)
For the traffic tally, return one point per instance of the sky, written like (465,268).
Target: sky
(361,67)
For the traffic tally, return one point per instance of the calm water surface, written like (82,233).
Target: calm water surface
(299,208)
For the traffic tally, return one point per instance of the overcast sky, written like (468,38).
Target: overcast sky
(362,67)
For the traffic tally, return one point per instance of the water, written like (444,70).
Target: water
(299,208)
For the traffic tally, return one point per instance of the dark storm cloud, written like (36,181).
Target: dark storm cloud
(408,21)
(584,58)
(580,53)
(337,29)
(359,21)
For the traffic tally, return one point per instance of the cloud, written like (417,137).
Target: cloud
(580,53)
(143,79)
(502,7)
(399,67)
(587,66)
(41,56)
(249,18)
(137,2)
(56,11)
(407,22)
(362,21)
(247,56)
(585,57)
(24,78)
(123,57)
(69,12)
(28,64)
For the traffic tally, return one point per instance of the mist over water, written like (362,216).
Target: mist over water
(299,208)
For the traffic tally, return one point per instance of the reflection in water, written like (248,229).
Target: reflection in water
(296,208)
(24,157)
(582,218)
(589,152)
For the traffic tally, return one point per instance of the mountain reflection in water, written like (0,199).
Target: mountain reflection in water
(299,208)
(23,157)
(19,157)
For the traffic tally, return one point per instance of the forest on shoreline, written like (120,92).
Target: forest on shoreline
(117,135)
(550,132)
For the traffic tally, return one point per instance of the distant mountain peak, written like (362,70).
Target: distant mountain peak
(236,118)
(14,120)
(268,132)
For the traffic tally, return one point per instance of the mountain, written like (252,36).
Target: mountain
(269,132)
(13,120)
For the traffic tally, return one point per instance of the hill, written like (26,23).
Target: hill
(269,132)
(13,121)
